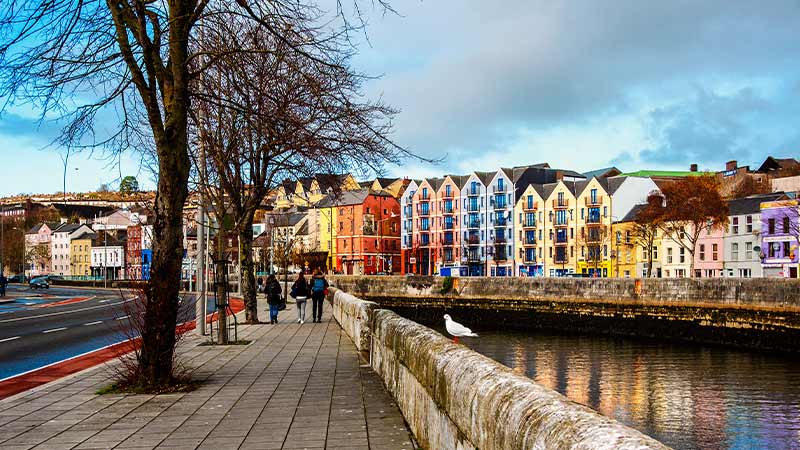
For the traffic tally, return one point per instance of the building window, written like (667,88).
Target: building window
(682,252)
(702,252)
(786,250)
(786,224)
(749,224)
(734,251)
(714,251)
(771,226)
(735,225)
(748,250)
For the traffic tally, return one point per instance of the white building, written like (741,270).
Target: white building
(741,255)
(60,246)
(108,256)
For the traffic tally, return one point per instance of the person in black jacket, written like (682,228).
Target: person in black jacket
(319,287)
(300,294)
(273,291)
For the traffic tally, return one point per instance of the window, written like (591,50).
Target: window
(786,251)
(734,251)
(702,252)
(593,195)
(735,225)
(682,252)
(499,184)
(714,251)
(655,252)
(748,250)
(749,224)
(669,255)
(786,224)
(771,226)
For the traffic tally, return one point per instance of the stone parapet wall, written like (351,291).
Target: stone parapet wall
(724,292)
(354,315)
(455,398)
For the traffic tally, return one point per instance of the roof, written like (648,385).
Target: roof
(352,197)
(771,164)
(67,227)
(303,230)
(662,173)
(384,182)
(751,204)
(35,229)
(631,216)
(435,183)
(81,211)
(603,172)
(102,239)
(485,177)
(85,235)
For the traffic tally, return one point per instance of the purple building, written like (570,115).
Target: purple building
(779,238)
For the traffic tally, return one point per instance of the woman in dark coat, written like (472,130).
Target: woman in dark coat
(273,291)
(300,294)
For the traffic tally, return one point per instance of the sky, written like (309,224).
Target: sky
(578,84)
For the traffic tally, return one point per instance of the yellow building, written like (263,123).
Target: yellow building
(80,254)
(306,191)
(593,229)
(326,218)
(559,228)
(625,252)
(529,214)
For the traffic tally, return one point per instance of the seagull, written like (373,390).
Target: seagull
(456,329)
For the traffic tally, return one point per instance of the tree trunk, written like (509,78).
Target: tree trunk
(246,276)
(161,310)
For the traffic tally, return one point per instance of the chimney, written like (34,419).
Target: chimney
(693,168)
(559,175)
(730,165)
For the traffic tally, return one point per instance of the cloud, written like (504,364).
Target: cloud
(467,75)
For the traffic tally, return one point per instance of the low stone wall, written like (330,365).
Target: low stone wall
(455,398)
(758,314)
(354,315)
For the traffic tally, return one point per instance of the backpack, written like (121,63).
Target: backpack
(319,286)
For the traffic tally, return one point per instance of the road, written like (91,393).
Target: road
(46,326)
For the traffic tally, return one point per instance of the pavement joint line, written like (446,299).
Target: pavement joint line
(9,339)
(53,330)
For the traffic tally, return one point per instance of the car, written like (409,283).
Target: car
(39,283)
(18,278)
(55,278)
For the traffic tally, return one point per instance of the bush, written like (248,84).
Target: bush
(447,285)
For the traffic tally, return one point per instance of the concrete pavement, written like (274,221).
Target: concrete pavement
(294,386)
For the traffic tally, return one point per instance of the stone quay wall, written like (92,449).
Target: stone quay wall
(749,313)
(455,398)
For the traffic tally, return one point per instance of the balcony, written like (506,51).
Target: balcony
(473,257)
(500,240)
(501,222)
(447,194)
(558,224)
(532,207)
(500,205)
(448,239)
(560,205)
(473,207)
(473,240)
(529,241)
(449,225)
(561,240)
(473,192)
(424,209)
(597,201)
(529,224)
(448,210)
(529,260)
(593,220)
(593,238)
(473,224)
(424,240)
(499,256)
(500,189)
(424,197)
(561,259)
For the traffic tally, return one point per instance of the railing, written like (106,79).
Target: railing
(532,207)
(449,225)
(500,205)
(531,241)
(560,224)
(473,240)
(424,240)
(501,222)
(560,205)
(592,238)
(448,210)
(424,211)
(561,260)
(561,241)
(473,224)
(528,260)
(447,194)
(593,220)
(473,207)
(529,224)
(473,192)
(594,202)
(500,240)
(499,189)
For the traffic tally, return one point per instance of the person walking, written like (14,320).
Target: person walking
(319,288)
(300,294)
(273,291)
(3,283)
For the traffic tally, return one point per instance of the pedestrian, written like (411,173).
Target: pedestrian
(300,294)
(260,286)
(319,289)
(273,291)
(3,283)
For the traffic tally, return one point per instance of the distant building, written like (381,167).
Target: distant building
(38,257)
(60,247)
(367,232)
(80,252)
(742,238)
(108,256)
(779,238)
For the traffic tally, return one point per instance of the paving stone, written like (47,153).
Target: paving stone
(294,387)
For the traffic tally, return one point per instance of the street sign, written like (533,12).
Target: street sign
(412,260)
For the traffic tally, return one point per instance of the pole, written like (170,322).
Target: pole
(239,265)
(105,255)
(2,242)
(200,286)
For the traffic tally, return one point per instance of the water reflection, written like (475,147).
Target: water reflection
(689,397)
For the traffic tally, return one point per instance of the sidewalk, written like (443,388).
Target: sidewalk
(294,386)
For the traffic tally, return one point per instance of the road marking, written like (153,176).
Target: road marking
(9,339)
(16,319)
(93,323)
(122,318)
(104,301)
(54,330)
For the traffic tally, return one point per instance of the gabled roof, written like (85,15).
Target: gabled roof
(771,164)
(385,182)
(67,227)
(602,172)
(351,197)
(631,216)
(485,177)
(435,183)
(102,239)
(86,234)
(751,204)
(35,229)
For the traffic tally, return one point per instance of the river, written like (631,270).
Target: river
(686,396)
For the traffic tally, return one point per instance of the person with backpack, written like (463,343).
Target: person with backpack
(300,294)
(319,289)
(273,291)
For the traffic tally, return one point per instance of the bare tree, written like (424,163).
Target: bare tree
(271,115)
(133,62)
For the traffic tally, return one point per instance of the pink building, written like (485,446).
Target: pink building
(708,255)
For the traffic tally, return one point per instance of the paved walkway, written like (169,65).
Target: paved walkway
(294,387)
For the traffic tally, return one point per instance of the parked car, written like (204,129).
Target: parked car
(18,278)
(39,283)
(51,278)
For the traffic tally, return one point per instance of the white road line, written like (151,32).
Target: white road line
(93,323)
(16,319)
(54,330)
(9,339)
(122,318)
(104,301)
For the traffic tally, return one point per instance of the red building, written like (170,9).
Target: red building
(367,232)
(133,253)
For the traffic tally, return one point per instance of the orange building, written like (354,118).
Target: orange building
(367,232)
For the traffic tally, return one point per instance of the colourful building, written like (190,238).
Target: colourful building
(368,233)
(80,254)
(306,191)
(594,225)
(528,212)
(779,238)
(709,254)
